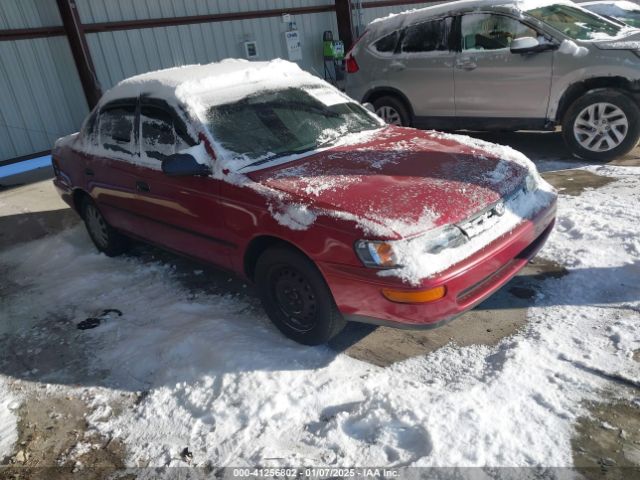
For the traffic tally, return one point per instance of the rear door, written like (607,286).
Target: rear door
(422,69)
(492,82)
(115,156)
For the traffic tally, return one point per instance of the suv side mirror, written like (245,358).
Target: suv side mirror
(369,106)
(526,45)
(183,165)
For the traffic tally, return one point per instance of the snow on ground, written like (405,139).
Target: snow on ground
(220,379)
(8,420)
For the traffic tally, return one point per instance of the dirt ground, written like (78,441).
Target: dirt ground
(52,427)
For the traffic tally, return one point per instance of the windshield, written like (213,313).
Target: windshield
(576,23)
(273,124)
(626,12)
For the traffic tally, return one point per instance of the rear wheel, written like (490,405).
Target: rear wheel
(296,297)
(105,238)
(602,125)
(392,111)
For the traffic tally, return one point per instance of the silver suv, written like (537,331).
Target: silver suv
(486,65)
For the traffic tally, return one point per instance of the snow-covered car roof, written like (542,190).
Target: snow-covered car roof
(397,20)
(219,82)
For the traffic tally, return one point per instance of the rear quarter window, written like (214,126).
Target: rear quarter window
(387,44)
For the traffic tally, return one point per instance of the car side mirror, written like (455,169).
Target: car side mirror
(184,165)
(525,45)
(369,106)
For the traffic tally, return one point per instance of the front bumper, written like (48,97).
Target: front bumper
(358,290)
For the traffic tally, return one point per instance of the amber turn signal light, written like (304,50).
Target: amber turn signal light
(415,296)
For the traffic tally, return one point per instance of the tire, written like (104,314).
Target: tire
(392,111)
(602,125)
(106,239)
(296,297)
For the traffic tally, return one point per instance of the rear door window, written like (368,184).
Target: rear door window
(484,31)
(117,128)
(430,36)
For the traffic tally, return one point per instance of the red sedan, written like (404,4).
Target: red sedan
(265,170)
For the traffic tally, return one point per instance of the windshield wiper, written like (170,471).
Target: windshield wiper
(280,155)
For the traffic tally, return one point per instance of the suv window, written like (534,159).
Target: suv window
(388,43)
(116,128)
(159,132)
(484,31)
(428,36)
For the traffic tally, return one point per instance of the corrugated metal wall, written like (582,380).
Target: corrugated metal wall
(41,96)
(120,54)
(28,14)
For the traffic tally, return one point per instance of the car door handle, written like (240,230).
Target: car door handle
(142,186)
(397,66)
(466,65)
(88,172)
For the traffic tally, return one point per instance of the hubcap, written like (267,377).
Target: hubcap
(389,115)
(295,297)
(601,127)
(97,226)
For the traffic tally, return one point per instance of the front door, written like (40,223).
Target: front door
(493,83)
(181,213)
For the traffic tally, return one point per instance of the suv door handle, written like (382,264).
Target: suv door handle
(466,64)
(142,186)
(397,66)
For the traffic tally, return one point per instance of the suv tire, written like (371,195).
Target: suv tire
(392,111)
(602,125)
(106,239)
(296,297)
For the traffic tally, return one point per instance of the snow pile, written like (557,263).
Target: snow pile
(8,421)
(220,380)
(569,47)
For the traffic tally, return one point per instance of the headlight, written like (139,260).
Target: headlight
(376,254)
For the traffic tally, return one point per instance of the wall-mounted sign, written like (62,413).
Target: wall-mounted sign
(294,48)
(251,49)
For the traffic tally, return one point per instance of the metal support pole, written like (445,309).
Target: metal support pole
(80,50)
(345,22)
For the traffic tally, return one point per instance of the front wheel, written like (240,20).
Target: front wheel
(104,236)
(602,125)
(296,297)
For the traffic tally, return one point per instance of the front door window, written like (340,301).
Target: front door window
(482,31)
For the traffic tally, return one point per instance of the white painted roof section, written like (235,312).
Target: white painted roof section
(230,78)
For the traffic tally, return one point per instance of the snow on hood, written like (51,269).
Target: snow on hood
(403,181)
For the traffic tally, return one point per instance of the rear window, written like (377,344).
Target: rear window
(428,36)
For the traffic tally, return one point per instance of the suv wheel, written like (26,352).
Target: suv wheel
(105,238)
(392,111)
(602,125)
(296,297)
